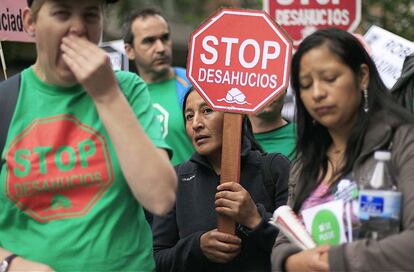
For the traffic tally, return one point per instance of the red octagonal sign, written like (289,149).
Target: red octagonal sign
(57,168)
(239,60)
(301,18)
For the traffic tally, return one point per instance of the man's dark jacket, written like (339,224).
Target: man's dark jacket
(404,87)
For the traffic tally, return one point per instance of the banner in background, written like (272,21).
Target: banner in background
(301,18)
(388,52)
(11,21)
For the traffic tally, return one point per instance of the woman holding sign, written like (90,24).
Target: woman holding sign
(187,238)
(80,158)
(344,115)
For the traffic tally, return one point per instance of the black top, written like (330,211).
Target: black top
(404,87)
(177,235)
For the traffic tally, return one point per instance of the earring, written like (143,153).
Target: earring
(366,106)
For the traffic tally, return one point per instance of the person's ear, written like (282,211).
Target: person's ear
(364,76)
(29,22)
(129,50)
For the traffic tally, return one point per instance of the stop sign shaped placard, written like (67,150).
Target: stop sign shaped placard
(301,18)
(239,60)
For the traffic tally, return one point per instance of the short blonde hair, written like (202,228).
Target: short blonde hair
(37,4)
(35,7)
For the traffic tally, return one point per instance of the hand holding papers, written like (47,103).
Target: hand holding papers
(287,221)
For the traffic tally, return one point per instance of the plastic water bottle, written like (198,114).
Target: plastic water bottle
(380,202)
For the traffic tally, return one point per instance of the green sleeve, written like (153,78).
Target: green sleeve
(136,92)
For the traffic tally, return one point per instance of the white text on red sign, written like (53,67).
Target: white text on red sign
(268,50)
(306,2)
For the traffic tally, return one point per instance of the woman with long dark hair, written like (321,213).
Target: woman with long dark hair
(344,115)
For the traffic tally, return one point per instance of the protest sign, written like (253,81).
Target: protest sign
(388,52)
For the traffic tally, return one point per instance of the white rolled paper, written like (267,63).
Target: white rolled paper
(288,222)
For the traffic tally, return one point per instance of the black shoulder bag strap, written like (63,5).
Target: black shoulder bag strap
(268,180)
(9,92)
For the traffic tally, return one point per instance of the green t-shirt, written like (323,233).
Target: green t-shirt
(165,102)
(64,201)
(281,140)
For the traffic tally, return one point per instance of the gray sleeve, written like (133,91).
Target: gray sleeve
(394,253)
(282,248)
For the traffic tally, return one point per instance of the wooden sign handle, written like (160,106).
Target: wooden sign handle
(230,161)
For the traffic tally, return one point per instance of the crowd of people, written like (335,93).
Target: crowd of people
(114,171)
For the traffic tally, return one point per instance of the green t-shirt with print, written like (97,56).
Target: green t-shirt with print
(64,201)
(165,102)
(281,140)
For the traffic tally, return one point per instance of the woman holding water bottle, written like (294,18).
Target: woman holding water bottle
(344,115)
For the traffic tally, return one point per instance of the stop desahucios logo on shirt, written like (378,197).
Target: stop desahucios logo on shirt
(57,168)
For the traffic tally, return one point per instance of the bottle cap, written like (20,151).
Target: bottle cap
(382,155)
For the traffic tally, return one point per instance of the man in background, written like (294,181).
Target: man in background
(148,43)
(272,131)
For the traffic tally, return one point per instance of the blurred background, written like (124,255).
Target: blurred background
(184,16)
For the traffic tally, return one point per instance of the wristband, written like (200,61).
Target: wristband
(5,264)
